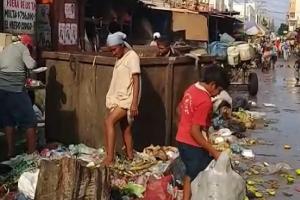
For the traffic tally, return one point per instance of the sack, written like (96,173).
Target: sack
(158,189)
(219,182)
(68,179)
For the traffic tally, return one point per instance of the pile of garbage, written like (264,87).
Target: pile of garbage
(150,168)
(75,171)
(131,179)
(264,180)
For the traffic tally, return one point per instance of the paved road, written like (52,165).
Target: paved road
(278,87)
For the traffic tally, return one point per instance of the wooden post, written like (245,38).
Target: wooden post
(81,22)
(54,25)
(1,16)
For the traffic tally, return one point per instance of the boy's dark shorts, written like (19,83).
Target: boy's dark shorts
(16,110)
(194,158)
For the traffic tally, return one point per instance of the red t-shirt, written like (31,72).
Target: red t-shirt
(195,109)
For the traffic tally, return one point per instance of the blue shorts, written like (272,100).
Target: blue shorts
(194,158)
(16,110)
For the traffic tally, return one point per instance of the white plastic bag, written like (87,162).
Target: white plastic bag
(225,37)
(219,182)
(27,183)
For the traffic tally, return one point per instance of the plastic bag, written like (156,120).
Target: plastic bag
(158,189)
(27,183)
(279,167)
(225,37)
(219,182)
(177,169)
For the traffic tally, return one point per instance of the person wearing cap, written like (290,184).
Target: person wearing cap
(123,96)
(156,36)
(16,108)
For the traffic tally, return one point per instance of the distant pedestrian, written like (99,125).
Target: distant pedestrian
(286,51)
(274,55)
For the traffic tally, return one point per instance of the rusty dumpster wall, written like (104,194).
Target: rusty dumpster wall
(75,100)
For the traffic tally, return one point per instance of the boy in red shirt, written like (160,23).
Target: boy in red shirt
(196,106)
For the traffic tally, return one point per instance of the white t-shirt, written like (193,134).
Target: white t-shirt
(120,93)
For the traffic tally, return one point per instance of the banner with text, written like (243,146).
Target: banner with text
(19,16)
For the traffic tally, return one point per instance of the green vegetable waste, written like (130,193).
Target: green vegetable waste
(134,189)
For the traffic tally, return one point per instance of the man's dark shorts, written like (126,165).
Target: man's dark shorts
(194,158)
(16,110)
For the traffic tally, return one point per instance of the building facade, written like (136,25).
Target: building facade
(294,15)
(247,11)
(221,5)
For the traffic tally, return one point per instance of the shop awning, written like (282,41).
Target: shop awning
(252,28)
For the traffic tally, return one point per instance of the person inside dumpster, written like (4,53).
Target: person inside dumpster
(123,95)
(165,48)
(195,111)
(16,108)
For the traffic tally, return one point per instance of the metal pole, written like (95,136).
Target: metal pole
(245,10)
(208,24)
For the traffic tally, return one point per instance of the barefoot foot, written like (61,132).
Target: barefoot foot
(107,161)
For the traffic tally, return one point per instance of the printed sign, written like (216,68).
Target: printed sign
(61,33)
(44,36)
(43,26)
(19,16)
(73,34)
(70,10)
(67,33)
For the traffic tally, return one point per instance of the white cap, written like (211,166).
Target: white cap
(156,35)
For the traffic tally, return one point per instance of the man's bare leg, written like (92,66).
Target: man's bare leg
(10,141)
(31,140)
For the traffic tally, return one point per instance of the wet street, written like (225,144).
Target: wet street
(282,124)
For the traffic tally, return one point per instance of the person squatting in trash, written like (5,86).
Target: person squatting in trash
(16,108)
(123,96)
(195,111)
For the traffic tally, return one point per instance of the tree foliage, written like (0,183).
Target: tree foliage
(283,27)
